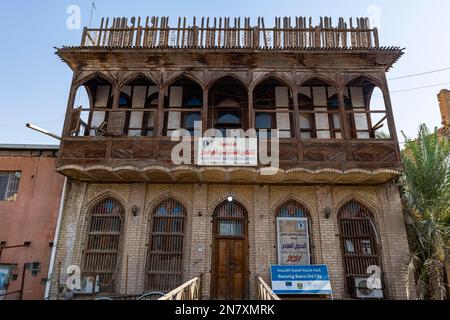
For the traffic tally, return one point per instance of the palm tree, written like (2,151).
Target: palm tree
(426,198)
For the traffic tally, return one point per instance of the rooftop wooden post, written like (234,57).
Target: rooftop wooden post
(83,37)
(256,37)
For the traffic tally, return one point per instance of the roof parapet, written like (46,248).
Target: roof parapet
(226,33)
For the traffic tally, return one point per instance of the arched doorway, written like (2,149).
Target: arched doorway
(230,257)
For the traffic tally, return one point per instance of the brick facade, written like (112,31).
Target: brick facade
(260,201)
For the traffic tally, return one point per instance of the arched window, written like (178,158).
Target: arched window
(319,111)
(293,225)
(165,253)
(228,101)
(273,107)
(92,103)
(139,100)
(101,255)
(230,219)
(359,246)
(367,116)
(183,106)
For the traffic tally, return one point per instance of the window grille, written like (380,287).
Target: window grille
(165,257)
(101,256)
(9,185)
(359,243)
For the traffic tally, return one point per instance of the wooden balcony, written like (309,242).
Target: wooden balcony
(147,159)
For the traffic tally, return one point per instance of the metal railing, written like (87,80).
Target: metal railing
(191,290)
(264,292)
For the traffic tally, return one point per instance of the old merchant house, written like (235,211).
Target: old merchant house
(136,222)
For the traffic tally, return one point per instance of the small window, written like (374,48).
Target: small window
(9,185)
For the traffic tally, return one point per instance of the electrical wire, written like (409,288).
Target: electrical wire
(419,74)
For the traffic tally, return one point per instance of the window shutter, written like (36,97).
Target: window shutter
(75,121)
(115,124)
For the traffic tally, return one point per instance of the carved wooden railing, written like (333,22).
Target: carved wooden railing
(143,151)
(288,33)
(264,292)
(191,290)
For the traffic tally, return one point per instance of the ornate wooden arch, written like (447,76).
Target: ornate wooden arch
(101,255)
(127,79)
(82,81)
(166,246)
(327,79)
(175,76)
(219,76)
(285,80)
(375,79)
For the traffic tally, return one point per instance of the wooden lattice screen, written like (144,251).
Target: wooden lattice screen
(101,256)
(230,219)
(165,257)
(358,241)
(292,209)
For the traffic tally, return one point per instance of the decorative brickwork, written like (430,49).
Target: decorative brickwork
(260,202)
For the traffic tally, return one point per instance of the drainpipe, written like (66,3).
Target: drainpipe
(55,240)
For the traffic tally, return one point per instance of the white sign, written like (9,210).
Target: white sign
(228,152)
(293,241)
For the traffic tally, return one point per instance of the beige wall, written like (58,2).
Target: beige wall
(260,202)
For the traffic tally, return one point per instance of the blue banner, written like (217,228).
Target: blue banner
(313,280)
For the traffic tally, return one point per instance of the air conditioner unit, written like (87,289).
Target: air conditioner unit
(89,285)
(364,292)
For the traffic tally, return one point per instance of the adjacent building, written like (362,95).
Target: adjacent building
(136,219)
(30,193)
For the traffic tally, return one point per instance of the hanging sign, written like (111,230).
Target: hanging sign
(293,241)
(228,152)
(312,280)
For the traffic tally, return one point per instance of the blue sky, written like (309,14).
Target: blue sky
(34,83)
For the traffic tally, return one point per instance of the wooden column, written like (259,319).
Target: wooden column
(296,114)
(251,113)
(343,115)
(205,110)
(69,109)
(390,116)
(344,123)
(116,95)
(159,125)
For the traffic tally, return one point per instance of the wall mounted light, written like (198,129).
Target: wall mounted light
(135,211)
(327,213)
(230,199)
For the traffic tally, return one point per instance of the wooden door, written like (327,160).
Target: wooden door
(230,255)
(230,269)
